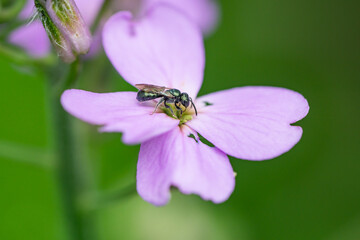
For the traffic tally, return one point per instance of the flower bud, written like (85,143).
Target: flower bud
(65,27)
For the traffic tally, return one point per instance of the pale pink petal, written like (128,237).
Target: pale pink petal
(96,45)
(251,122)
(28,10)
(32,38)
(204,13)
(174,159)
(163,48)
(118,112)
(89,9)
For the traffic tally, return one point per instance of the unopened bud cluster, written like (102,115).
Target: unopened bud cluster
(65,27)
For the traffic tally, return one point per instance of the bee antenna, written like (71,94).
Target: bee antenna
(193,105)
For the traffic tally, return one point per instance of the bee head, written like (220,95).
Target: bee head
(185,99)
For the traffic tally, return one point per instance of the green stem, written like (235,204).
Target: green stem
(73,73)
(100,15)
(70,181)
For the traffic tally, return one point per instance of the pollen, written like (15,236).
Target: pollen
(186,116)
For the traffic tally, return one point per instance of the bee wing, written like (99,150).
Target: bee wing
(154,89)
(149,87)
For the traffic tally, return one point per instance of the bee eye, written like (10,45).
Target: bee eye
(185,100)
(185,103)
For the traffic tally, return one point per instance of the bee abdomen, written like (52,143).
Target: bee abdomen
(145,96)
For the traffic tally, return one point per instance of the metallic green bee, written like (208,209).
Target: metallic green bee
(168,95)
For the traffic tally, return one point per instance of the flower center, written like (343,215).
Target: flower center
(186,116)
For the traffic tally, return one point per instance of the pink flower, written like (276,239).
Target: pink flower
(33,38)
(165,49)
(204,13)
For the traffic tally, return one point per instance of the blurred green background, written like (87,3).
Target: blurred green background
(311,192)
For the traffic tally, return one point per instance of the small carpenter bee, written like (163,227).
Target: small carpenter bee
(168,95)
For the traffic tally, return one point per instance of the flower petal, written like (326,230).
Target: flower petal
(118,112)
(204,13)
(174,159)
(27,10)
(251,122)
(32,38)
(163,48)
(89,9)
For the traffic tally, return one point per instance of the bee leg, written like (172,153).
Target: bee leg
(157,105)
(178,107)
(193,105)
(168,107)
